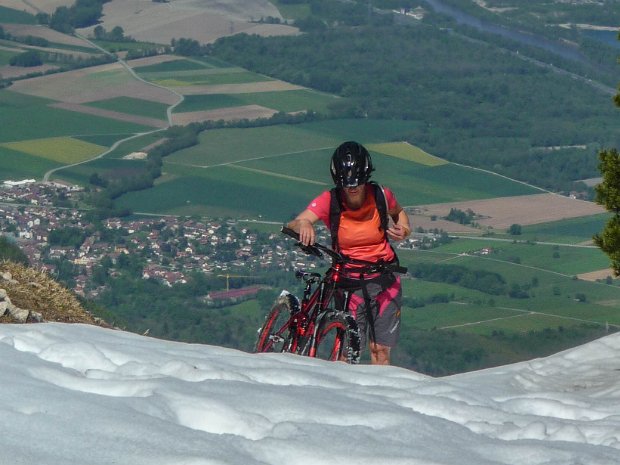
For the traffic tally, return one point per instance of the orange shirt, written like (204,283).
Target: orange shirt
(359,234)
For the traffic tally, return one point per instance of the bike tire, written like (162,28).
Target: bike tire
(276,335)
(338,338)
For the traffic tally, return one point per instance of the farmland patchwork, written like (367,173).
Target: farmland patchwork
(64,150)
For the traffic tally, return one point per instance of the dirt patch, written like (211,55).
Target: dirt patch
(419,219)
(145,121)
(247,88)
(136,156)
(227,114)
(23,30)
(202,20)
(502,212)
(596,275)
(91,84)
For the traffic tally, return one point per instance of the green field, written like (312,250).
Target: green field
(293,10)
(24,120)
(287,101)
(235,145)
(111,168)
(205,77)
(63,150)
(553,299)
(133,106)
(574,230)
(296,158)
(407,152)
(10,15)
(566,258)
(182,64)
(221,191)
(5,57)
(17,165)
(24,117)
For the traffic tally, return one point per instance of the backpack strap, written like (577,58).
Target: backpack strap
(334,215)
(382,207)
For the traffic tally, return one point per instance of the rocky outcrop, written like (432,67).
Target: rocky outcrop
(19,315)
(31,296)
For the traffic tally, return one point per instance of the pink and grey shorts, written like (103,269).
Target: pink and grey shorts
(385,305)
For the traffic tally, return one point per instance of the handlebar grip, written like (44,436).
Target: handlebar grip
(309,249)
(289,232)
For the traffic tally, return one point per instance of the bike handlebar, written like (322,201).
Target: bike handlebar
(317,250)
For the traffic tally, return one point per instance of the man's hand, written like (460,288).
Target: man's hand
(307,235)
(398,232)
(304,225)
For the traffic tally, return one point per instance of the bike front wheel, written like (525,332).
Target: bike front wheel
(276,334)
(337,338)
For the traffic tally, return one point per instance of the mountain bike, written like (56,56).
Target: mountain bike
(319,325)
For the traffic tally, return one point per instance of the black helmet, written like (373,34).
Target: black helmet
(351,165)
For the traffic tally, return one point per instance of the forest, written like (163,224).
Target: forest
(468,101)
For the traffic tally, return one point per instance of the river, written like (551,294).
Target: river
(565,51)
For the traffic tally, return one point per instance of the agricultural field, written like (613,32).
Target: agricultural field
(500,213)
(571,231)
(58,47)
(204,77)
(133,106)
(407,152)
(294,159)
(18,165)
(555,299)
(62,150)
(287,101)
(205,22)
(218,91)
(93,84)
(566,259)
(34,135)
(53,37)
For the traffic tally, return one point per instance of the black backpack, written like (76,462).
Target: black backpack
(335,209)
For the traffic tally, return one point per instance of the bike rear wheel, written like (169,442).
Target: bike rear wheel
(337,338)
(276,334)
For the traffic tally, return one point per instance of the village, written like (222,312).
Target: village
(171,247)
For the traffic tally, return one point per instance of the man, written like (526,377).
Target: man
(362,234)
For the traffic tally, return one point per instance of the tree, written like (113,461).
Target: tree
(514,230)
(99,32)
(186,47)
(608,195)
(27,59)
(117,34)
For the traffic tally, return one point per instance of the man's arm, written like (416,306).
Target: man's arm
(400,229)
(304,225)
